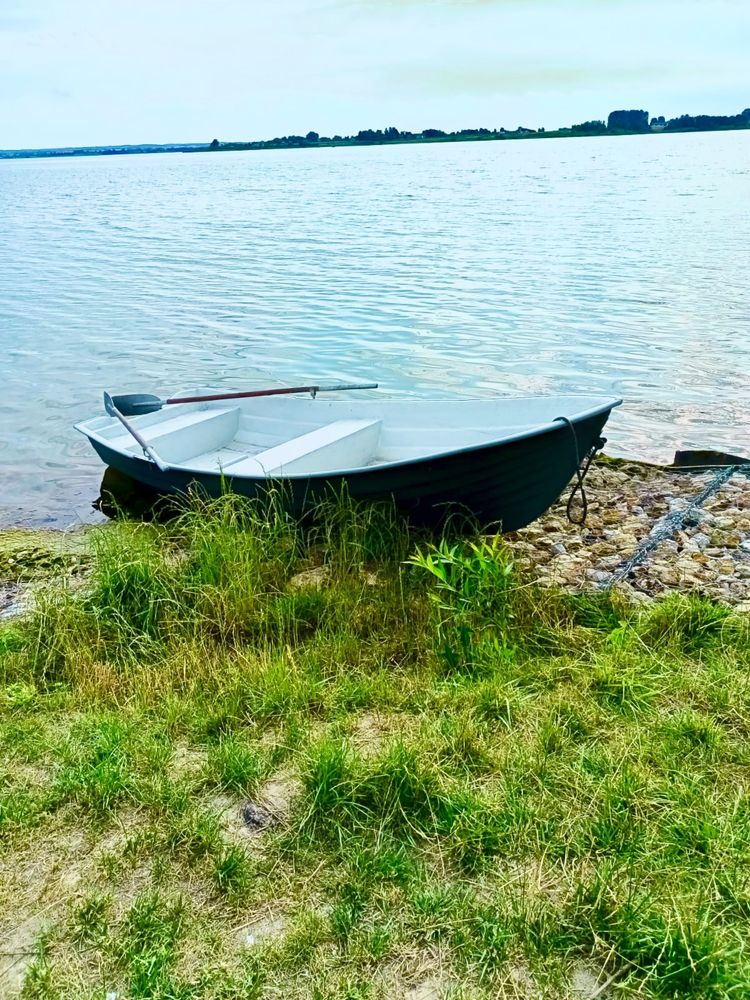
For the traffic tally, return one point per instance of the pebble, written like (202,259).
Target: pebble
(256,817)
(694,518)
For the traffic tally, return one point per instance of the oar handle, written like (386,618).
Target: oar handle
(313,389)
(112,410)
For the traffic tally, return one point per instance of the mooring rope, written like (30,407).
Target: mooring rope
(580,474)
(672,522)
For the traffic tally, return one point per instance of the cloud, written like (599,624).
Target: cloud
(12,23)
(504,78)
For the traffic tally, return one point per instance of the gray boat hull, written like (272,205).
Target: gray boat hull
(506,484)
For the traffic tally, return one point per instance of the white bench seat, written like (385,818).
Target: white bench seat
(217,460)
(187,434)
(343,444)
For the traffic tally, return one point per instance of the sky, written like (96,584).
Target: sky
(90,72)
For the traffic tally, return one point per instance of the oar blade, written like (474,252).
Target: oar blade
(132,403)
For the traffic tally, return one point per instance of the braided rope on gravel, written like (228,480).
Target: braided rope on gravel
(672,522)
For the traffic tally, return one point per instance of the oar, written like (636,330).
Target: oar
(148,451)
(132,403)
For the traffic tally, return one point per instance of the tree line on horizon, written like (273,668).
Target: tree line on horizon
(618,122)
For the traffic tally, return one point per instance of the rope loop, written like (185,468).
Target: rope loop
(582,467)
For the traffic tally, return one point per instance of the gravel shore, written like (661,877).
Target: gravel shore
(710,555)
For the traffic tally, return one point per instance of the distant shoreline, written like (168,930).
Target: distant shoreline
(400,139)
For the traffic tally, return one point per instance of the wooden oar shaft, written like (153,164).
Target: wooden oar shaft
(267,392)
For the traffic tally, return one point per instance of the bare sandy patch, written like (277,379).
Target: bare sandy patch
(277,795)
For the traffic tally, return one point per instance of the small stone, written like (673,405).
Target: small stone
(694,517)
(610,562)
(315,578)
(597,575)
(603,549)
(725,523)
(612,517)
(525,547)
(553,524)
(626,542)
(732,540)
(701,540)
(256,817)
(558,549)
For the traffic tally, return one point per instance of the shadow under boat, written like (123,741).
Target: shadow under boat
(121,495)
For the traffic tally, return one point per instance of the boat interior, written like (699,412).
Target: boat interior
(302,437)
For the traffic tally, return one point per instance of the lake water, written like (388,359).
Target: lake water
(612,265)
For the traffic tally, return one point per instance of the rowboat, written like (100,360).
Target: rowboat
(502,460)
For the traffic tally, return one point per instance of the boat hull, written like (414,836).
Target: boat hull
(505,484)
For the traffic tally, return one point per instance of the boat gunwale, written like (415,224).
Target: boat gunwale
(531,432)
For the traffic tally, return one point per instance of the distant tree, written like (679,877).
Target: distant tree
(215,144)
(628,121)
(432,133)
(746,114)
(369,135)
(391,133)
(706,123)
(312,137)
(594,127)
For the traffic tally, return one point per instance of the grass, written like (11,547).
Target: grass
(472,785)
